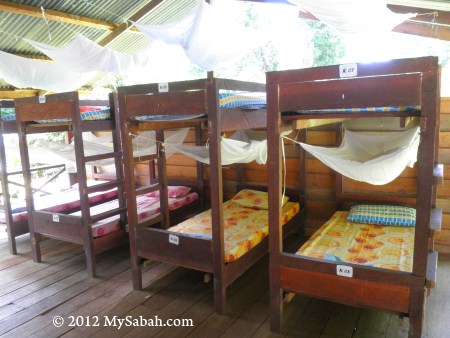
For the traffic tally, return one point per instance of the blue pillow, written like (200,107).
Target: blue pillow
(383,215)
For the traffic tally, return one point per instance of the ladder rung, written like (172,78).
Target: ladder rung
(106,214)
(99,157)
(148,188)
(103,186)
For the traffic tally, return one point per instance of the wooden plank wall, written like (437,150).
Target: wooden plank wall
(443,192)
(320,180)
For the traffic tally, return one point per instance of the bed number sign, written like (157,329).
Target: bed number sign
(42,99)
(55,218)
(163,87)
(344,271)
(174,239)
(348,70)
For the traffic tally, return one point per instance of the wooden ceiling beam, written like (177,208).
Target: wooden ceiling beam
(36,12)
(420,25)
(10,94)
(118,31)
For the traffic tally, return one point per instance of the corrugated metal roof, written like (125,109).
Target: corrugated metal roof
(14,27)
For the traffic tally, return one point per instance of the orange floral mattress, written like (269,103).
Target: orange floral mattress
(244,227)
(387,247)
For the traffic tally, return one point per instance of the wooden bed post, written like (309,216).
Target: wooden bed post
(82,178)
(216,187)
(199,166)
(274,190)
(162,179)
(121,118)
(25,159)
(5,193)
(417,312)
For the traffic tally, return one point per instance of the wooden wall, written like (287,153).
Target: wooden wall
(320,180)
(443,198)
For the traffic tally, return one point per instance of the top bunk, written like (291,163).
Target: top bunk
(240,104)
(7,117)
(305,98)
(62,112)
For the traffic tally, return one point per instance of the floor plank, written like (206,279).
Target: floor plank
(33,294)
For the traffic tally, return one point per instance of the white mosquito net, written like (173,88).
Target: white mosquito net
(207,37)
(28,73)
(374,159)
(353,16)
(143,144)
(239,148)
(84,55)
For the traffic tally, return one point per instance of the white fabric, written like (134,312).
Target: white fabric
(83,55)
(374,159)
(353,16)
(28,73)
(208,39)
(233,150)
(143,145)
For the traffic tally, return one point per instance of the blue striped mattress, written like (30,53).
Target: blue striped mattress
(391,109)
(227,100)
(100,113)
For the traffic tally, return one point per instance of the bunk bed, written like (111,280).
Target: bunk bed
(62,112)
(180,245)
(304,98)
(13,213)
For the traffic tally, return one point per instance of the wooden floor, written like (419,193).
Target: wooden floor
(32,295)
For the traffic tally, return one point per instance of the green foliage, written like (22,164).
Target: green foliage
(328,47)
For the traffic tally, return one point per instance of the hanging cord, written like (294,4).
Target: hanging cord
(120,17)
(48,26)
(160,146)
(16,38)
(434,23)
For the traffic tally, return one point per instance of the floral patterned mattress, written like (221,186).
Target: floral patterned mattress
(388,247)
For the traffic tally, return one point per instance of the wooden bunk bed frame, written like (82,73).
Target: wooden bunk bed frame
(398,82)
(188,97)
(62,226)
(14,228)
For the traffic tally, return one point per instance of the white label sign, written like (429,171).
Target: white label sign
(55,218)
(348,70)
(163,87)
(344,271)
(41,98)
(174,239)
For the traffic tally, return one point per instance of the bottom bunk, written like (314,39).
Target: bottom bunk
(190,244)
(358,264)
(105,232)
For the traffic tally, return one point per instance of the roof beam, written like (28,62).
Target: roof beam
(119,30)
(419,25)
(9,94)
(36,12)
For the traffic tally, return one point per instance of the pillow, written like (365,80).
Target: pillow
(254,199)
(172,191)
(383,215)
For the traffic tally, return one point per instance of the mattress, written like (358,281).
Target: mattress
(391,109)
(244,227)
(227,100)
(87,113)
(387,247)
(147,207)
(59,202)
